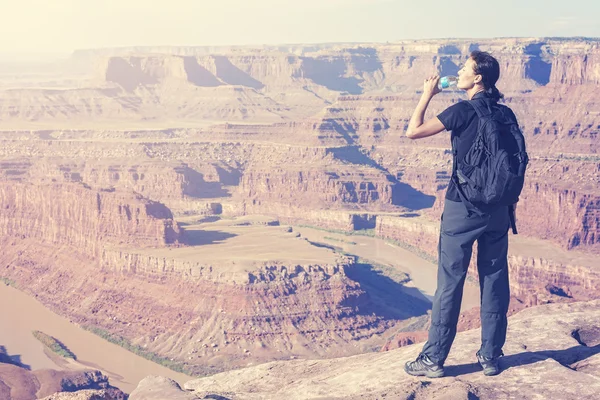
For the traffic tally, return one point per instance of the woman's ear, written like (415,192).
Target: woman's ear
(477,79)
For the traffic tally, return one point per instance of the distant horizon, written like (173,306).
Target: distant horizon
(65,26)
(249,45)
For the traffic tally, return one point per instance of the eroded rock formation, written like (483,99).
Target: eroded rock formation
(545,345)
(93,174)
(18,383)
(75,215)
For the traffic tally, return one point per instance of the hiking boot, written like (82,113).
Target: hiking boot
(491,366)
(423,366)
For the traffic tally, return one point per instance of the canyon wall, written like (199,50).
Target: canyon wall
(538,273)
(209,317)
(92,176)
(275,84)
(87,219)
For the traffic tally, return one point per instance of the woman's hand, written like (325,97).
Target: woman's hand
(430,86)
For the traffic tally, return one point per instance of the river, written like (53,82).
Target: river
(423,274)
(21,314)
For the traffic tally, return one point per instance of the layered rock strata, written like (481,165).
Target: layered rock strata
(545,346)
(210,316)
(72,214)
(539,272)
(18,383)
(336,157)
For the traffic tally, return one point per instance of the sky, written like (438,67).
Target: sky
(62,26)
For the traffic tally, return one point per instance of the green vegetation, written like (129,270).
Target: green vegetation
(387,270)
(339,240)
(412,249)
(336,249)
(361,232)
(54,344)
(582,158)
(364,232)
(371,233)
(569,156)
(140,351)
(8,282)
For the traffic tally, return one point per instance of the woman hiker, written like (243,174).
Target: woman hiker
(459,230)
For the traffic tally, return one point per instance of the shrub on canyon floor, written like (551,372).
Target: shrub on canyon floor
(359,232)
(387,270)
(339,240)
(412,249)
(54,344)
(140,351)
(8,282)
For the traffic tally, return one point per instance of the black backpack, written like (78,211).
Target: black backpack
(492,173)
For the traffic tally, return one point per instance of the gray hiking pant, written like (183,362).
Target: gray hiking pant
(457,234)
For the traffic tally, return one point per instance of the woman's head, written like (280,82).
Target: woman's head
(481,70)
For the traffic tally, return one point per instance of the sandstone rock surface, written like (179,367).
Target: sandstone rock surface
(17,383)
(159,388)
(552,351)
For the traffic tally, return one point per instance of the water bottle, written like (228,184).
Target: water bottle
(447,82)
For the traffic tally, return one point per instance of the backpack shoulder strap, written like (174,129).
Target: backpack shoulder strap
(515,130)
(482,107)
(483,110)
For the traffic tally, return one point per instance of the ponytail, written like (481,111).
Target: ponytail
(489,69)
(494,93)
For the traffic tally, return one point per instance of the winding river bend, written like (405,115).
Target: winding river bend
(21,314)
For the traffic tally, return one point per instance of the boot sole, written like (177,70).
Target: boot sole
(429,374)
(491,372)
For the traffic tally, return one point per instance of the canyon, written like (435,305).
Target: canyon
(170,197)
(546,344)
